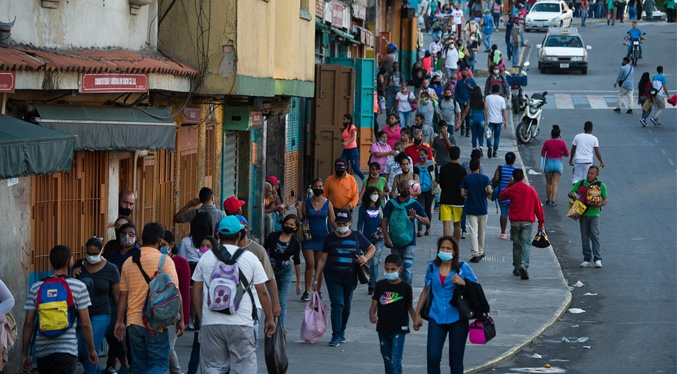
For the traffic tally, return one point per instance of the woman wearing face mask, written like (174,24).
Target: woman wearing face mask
(207,244)
(407,174)
(112,244)
(284,251)
(425,171)
(369,219)
(479,112)
(200,227)
(393,130)
(442,276)
(103,283)
(342,252)
(380,150)
(349,136)
(375,180)
(316,209)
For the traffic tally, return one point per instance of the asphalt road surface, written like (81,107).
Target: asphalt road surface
(630,304)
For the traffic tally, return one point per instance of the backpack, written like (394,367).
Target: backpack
(56,307)
(227,284)
(401,227)
(424,177)
(162,307)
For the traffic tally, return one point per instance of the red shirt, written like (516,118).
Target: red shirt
(554,149)
(412,151)
(393,136)
(183,272)
(525,206)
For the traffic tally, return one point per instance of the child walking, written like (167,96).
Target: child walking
(390,304)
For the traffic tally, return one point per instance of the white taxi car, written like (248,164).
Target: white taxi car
(563,49)
(548,13)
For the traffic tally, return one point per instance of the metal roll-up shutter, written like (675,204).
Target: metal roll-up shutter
(230,165)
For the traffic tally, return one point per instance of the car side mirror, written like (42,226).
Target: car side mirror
(588,47)
(539,46)
(564,10)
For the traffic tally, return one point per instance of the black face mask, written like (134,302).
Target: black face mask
(405,193)
(288,230)
(447,97)
(418,141)
(124,211)
(464,76)
(318,191)
(340,174)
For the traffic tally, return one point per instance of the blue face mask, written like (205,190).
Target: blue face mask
(391,276)
(164,250)
(342,230)
(445,256)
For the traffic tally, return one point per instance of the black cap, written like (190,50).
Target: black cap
(343,216)
(340,164)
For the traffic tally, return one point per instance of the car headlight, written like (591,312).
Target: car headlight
(578,58)
(550,58)
(556,19)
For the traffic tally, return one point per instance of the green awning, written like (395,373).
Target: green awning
(111,128)
(28,149)
(349,37)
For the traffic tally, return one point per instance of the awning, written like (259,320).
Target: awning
(349,37)
(110,128)
(28,149)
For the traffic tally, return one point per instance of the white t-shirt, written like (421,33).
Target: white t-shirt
(458,16)
(423,5)
(403,104)
(496,106)
(188,251)
(451,58)
(585,147)
(251,268)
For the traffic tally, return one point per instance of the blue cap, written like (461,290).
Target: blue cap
(230,225)
(242,220)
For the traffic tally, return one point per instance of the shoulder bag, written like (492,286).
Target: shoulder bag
(425,312)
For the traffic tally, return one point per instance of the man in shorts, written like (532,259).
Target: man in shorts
(451,201)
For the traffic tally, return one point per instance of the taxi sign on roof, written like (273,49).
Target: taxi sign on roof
(563,30)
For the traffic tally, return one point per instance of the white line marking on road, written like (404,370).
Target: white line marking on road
(656,140)
(564,101)
(637,239)
(663,150)
(671,163)
(597,102)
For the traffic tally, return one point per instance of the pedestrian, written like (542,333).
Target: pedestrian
(497,116)
(375,179)
(126,203)
(583,10)
(341,188)
(520,18)
(200,228)
(418,144)
(272,209)
(450,112)
(498,79)
(660,84)
(591,192)
(472,48)
(583,147)
(57,350)
(437,87)
(625,85)
(407,174)
(381,92)
(427,61)
(478,112)
(368,222)
(487,29)
(398,227)
(500,181)
(103,284)
(451,201)
(476,187)
(393,168)
(442,276)
(389,60)
(553,150)
(462,95)
(206,198)
(393,130)
(284,250)
(403,101)
(515,34)
(457,15)
(390,304)
(510,23)
(496,8)
(425,169)
(394,80)
(670,10)
(525,208)
(611,12)
(435,46)
(113,244)
(418,76)
(649,6)
(620,9)
(150,349)
(380,150)
(349,136)
(228,340)
(475,154)
(451,57)
(644,89)
(342,252)
(423,119)
(441,146)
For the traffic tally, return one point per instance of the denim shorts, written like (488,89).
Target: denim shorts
(505,208)
(553,165)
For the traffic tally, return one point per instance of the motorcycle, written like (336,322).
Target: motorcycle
(517,82)
(529,125)
(634,51)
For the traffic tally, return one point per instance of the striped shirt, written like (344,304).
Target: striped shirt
(133,282)
(66,342)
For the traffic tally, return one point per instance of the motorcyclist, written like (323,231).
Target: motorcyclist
(634,34)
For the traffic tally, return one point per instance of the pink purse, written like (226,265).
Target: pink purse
(482,330)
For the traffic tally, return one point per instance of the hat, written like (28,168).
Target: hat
(340,164)
(343,216)
(486,11)
(230,225)
(232,204)
(272,180)
(242,220)
(392,46)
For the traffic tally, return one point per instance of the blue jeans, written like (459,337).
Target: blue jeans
(283,279)
(392,346)
(497,19)
(404,118)
(584,15)
(477,128)
(407,255)
(590,233)
(508,48)
(374,262)
(449,72)
(340,295)
(487,40)
(353,157)
(472,63)
(521,236)
(495,135)
(437,334)
(99,326)
(390,101)
(515,54)
(150,353)
(630,48)
(194,361)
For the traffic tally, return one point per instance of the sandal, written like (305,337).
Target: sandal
(419,234)
(427,232)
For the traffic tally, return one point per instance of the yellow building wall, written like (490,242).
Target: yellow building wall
(294,41)
(255,41)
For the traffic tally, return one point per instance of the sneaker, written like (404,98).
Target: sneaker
(462,235)
(629,111)
(474,259)
(342,337)
(483,255)
(305,296)
(515,273)
(553,203)
(495,154)
(643,122)
(370,291)
(524,274)
(490,152)
(503,236)
(598,263)
(109,370)
(547,202)
(334,342)
(655,123)
(585,264)
(617,110)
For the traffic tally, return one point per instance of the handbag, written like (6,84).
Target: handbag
(377,235)
(414,104)
(541,240)
(425,312)
(482,330)
(303,233)
(497,189)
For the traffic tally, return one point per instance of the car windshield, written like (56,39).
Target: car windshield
(564,41)
(552,8)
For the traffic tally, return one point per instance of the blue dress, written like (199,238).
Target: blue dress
(317,220)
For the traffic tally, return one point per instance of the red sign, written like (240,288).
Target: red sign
(7,81)
(104,83)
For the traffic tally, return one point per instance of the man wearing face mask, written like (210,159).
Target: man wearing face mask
(412,149)
(394,79)
(414,212)
(463,89)
(451,58)
(126,203)
(496,78)
(425,113)
(206,198)
(341,188)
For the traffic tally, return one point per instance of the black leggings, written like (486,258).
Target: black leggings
(426,200)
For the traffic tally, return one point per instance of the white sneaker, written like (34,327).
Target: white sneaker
(598,263)
(586,264)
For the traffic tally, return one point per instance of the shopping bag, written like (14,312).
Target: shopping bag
(314,320)
(576,210)
(541,240)
(276,350)
(303,233)
(482,330)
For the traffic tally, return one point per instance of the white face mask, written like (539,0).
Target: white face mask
(94,259)
(374,198)
(496,72)
(342,229)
